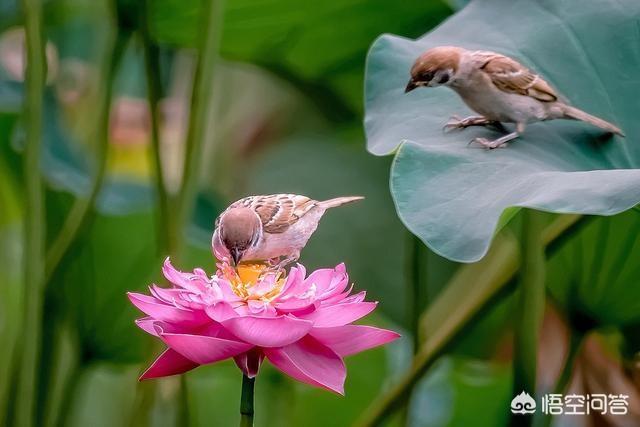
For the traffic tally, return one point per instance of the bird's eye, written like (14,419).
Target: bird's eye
(426,76)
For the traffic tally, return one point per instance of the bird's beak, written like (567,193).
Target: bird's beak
(410,86)
(236,255)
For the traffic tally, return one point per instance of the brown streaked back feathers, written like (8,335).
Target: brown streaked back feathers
(277,211)
(510,76)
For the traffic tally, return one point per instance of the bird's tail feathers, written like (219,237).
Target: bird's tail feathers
(339,201)
(576,114)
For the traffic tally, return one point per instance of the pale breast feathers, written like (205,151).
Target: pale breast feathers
(510,76)
(278,211)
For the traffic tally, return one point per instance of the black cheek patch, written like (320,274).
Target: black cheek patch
(444,78)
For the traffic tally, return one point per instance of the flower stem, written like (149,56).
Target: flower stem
(529,309)
(82,209)
(33,255)
(246,401)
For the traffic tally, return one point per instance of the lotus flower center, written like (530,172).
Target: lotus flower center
(252,281)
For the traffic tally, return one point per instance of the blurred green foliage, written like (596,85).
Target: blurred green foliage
(594,275)
(320,49)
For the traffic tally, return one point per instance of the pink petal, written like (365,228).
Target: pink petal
(203,349)
(268,331)
(168,313)
(339,314)
(359,297)
(221,311)
(341,269)
(200,272)
(311,362)
(352,339)
(338,297)
(294,304)
(215,330)
(264,285)
(249,362)
(151,326)
(322,278)
(168,296)
(227,293)
(294,281)
(191,282)
(261,308)
(168,363)
(147,324)
(329,282)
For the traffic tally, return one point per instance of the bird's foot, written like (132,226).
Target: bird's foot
(273,262)
(456,123)
(496,143)
(288,260)
(279,264)
(487,143)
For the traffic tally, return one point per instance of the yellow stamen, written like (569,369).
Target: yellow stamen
(246,276)
(250,273)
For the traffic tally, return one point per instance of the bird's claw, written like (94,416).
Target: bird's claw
(486,143)
(279,264)
(454,123)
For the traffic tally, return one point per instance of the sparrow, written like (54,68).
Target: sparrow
(272,228)
(498,88)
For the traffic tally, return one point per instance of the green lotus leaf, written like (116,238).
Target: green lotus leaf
(594,276)
(450,194)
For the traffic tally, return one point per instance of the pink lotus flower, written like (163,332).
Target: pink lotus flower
(302,325)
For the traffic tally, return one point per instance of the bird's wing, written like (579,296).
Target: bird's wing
(277,211)
(510,76)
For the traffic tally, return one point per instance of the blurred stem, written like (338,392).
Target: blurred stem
(33,256)
(82,209)
(183,401)
(167,235)
(246,401)
(529,309)
(60,368)
(173,223)
(64,416)
(416,287)
(417,284)
(503,262)
(575,343)
(201,104)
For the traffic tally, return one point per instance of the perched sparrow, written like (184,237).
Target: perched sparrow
(261,228)
(496,87)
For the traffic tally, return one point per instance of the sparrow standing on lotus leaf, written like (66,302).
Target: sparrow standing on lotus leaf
(271,228)
(498,88)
